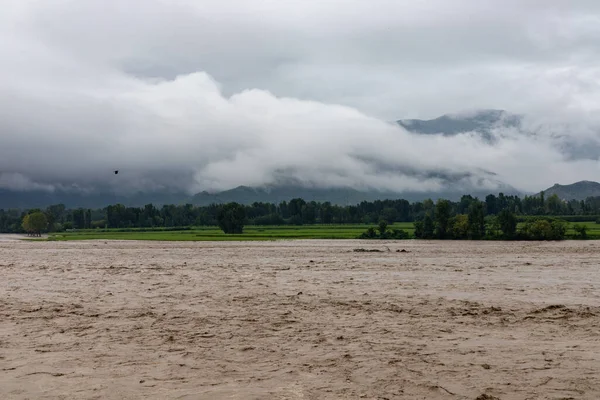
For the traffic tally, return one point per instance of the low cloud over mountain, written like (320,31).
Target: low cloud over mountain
(185,97)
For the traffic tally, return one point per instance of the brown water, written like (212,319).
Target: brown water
(299,320)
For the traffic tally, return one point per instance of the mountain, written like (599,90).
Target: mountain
(575,191)
(41,199)
(482,121)
(277,194)
(340,196)
(241,194)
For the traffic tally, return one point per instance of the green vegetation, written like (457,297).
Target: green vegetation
(444,224)
(507,223)
(215,234)
(580,231)
(383,232)
(543,229)
(497,217)
(283,232)
(231,218)
(34,223)
(503,226)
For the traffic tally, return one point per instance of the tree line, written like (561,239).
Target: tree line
(475,225)
(442,219)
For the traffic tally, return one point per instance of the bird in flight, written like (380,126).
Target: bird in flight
(116,172)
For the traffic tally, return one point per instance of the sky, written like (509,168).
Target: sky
(195,95)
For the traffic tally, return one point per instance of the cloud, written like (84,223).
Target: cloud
(201,95)
(18,182)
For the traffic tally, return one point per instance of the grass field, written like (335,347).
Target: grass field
(257,233)
(214,233)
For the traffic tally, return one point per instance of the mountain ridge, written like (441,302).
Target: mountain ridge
(241,194)
(340,196)
(480,121)
(580,190)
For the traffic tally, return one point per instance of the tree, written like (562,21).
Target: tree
(399,234)
(428,205)
(559,229)
(384,233)
(460,227)
(88,219)
(369,234)
(79,218)
(390,214)
(580,230)
(539,229)
(465,202)
(442,218)
(35,223)
(491,204)
(309,213)
(55,214)
(231,218)
(27,225)
(544,229)
(418,229)
(382,227)
(295,207)
(424,229)
(508,224)
(326,213)
(493,227)
(554,205)
(476,219)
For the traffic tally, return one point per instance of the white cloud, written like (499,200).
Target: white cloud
(196,95)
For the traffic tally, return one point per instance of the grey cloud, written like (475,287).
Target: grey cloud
(372,55)
(195,95)
(19,182)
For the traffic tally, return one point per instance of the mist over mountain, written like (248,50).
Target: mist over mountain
(184,97)
(488,125)
(451,185)
(483,122)
(41,199)
(575,140)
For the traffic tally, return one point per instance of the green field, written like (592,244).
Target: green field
(256,233)
(214,233)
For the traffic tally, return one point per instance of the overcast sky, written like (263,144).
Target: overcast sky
(206,94)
